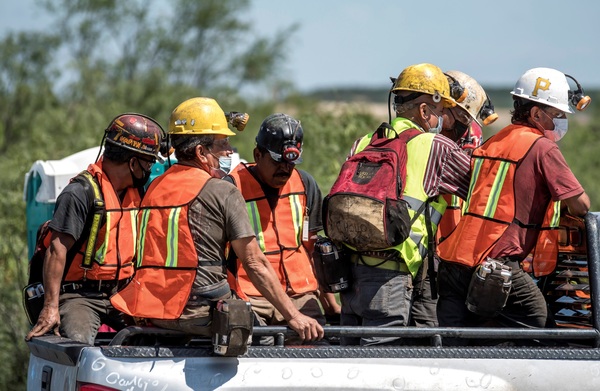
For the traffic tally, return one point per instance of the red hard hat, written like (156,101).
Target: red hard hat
(136,132)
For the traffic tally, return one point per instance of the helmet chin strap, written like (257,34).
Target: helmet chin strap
(100,149)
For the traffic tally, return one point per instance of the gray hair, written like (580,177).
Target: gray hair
(185,145)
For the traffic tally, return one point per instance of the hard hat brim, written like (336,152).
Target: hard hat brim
(562,107)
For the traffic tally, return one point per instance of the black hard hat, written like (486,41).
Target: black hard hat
(282,136)
(136,132)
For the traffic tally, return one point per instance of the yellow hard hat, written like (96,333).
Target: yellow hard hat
(199,116)
(427,79)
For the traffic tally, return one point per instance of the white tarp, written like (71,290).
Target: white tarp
(55,174)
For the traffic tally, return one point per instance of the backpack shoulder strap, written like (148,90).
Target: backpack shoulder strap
(409,134)
(95,218)
(382,132)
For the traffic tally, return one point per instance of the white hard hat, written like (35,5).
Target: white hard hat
(546,86)
(475,99)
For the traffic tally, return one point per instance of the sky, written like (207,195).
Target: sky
(354,43)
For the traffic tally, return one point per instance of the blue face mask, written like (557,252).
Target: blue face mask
(438,128)
(561,125)
(225,164)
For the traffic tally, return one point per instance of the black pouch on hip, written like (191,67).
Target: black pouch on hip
(232,325)
(33,301)
(332,267)
(489,288)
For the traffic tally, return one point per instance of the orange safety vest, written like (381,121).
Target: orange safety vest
(490,206)
(115,243)
(278,232)
(167,258)
(451,216)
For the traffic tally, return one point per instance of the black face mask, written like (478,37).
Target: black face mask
(140,182)
(460,129)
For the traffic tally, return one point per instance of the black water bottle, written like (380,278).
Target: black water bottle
(335,267)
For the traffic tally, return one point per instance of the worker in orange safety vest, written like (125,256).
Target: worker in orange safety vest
(187,221)
(284,206)
(519,180)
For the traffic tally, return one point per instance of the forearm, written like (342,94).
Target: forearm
(578,205)
(53,271)
(263,277)
(54,267)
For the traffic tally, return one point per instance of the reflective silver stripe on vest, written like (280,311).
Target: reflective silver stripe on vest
(414,205)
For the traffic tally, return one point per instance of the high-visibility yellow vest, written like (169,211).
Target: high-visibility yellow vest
(415,248)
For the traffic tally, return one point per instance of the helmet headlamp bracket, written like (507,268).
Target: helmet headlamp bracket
(291,152)
(578,98)
(457,91)
(487,113)
(291,148)
(237,120)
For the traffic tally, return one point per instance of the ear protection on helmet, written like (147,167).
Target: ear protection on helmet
(457,91)
(487,113)
(578,97)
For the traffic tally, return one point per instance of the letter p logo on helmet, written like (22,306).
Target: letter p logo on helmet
(540,84)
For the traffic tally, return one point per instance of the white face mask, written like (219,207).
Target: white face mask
(440,123)
(561,125)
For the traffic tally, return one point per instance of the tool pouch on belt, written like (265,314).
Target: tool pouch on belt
(232,322)
(33,301)
(489,288)
(332,266)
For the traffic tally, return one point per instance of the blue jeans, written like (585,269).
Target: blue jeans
(377,297)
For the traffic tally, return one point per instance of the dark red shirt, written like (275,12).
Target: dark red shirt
(542,176)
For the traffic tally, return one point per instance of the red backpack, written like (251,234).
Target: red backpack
(364,208)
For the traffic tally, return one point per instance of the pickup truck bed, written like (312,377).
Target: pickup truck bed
(566,357)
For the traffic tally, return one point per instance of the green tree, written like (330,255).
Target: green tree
(25,93)
(60,88)
(580,147)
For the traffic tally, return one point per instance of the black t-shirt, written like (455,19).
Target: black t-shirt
(71,210)
(314,199)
